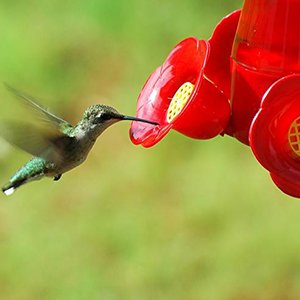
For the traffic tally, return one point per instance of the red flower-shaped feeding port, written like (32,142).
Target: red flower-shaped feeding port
(275,134)
(178,95)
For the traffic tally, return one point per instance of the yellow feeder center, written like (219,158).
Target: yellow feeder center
(179,100)
(294,136)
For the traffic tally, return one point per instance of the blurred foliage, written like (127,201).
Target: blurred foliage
(185,219)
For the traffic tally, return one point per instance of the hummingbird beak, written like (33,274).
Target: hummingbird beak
(137,120)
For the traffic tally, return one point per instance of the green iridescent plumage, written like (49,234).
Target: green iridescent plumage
(57,146)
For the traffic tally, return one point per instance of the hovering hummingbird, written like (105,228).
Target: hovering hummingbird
(62,146)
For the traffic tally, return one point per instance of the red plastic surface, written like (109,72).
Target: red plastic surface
(268,36)
(269,133)
(247,91)
(286,185)
(266,48)
(207,111)
(218,68)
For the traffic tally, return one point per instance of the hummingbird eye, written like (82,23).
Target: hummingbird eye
(105,116)
(102,117)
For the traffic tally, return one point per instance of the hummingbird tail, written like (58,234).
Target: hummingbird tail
(10,187)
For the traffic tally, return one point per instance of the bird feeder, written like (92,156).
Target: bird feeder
(244,82)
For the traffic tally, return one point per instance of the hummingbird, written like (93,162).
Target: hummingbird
(59,147)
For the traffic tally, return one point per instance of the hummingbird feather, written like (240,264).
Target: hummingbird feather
(38,141)
(50,117)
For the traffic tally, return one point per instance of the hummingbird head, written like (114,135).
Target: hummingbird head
(99,117)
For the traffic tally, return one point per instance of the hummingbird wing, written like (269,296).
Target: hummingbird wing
(45,143)
(50,117)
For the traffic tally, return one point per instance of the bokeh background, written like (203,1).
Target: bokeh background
(185,219)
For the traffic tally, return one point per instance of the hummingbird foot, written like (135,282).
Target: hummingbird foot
(56,178)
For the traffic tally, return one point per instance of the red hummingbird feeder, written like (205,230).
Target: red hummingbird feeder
(244,82)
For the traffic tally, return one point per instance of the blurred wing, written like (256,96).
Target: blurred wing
(61,123)
(36,141)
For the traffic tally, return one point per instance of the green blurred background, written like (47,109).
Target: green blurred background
(185,219)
